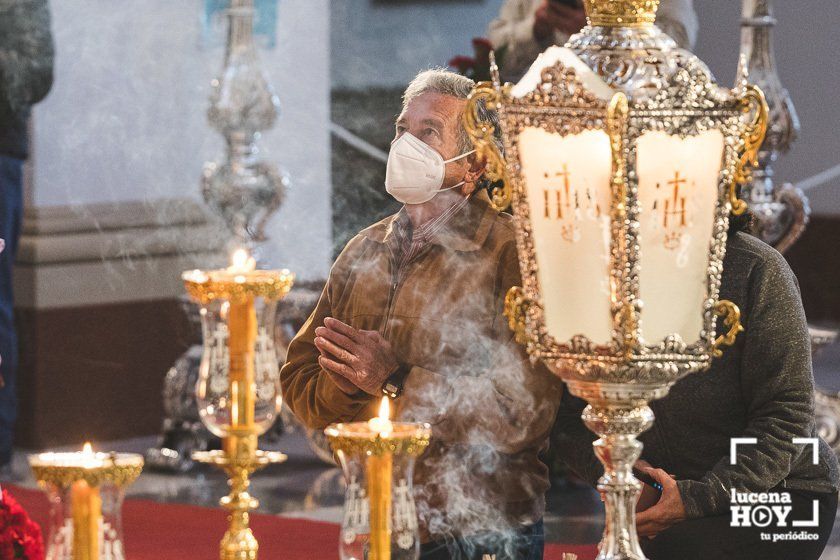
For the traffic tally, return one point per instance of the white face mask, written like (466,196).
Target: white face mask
(415,170)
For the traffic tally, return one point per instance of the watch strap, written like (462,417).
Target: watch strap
(393,386)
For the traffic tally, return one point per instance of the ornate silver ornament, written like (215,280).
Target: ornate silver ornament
(244,190)
(624,99)
(781,211)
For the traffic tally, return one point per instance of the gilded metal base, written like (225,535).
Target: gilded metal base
(239,463)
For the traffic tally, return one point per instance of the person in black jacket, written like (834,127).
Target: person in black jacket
(762,389)
(26,73)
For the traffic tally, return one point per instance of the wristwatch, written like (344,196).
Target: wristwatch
(393,386)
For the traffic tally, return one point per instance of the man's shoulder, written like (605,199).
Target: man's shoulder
(503,230)
(377,230)
(374,232)
(747,251)
(752,264)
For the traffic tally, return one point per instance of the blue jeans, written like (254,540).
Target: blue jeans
(11,211)
(527,544)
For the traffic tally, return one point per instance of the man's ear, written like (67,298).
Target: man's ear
(474,173)
(477,168)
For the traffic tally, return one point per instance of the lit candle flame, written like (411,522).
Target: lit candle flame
(240,261)
(382,423)
(89,459)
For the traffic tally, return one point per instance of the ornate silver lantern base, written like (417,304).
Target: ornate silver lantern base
(618,413)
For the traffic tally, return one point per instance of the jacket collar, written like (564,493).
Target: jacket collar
(465,231)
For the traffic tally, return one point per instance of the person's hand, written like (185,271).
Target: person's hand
(643,465)
(649,495)
(668,511)
(648,498)
(553,16)
(358,358)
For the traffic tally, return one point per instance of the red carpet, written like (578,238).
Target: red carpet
(156,531)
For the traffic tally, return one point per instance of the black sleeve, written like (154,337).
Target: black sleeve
(572,441)
(26,54)
(777,384)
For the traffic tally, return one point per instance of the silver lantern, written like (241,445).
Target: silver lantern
(244,190)
(623,161)
(781,210)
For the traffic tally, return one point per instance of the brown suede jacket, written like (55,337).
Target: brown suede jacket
(491,410)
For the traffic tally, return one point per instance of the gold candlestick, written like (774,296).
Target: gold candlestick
(237,402)
(86,503)
(380,468)
(90,529)
(379,473)
(382,452)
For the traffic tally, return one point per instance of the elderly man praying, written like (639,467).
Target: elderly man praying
(413,309)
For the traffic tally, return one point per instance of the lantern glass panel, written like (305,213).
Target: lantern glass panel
(567,180)
(678,196)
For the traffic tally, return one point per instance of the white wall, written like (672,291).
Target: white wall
(126,119)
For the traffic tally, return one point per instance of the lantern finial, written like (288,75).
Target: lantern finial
(621,13)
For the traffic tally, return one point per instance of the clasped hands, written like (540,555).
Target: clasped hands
(356,360)
(360,360)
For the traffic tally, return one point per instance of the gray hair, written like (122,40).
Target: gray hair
(446,82)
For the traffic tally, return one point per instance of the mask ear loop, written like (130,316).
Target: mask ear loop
(450,188)
(451,160)
(456,158)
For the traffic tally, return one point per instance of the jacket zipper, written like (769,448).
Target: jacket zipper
(392,293)
(395,285)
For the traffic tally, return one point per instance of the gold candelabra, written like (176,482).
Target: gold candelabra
(86,490)
(377,457)
(238,390)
